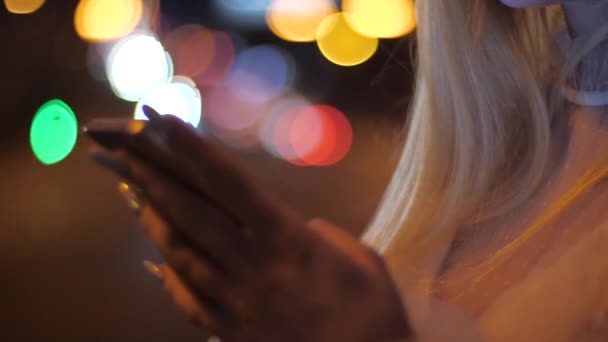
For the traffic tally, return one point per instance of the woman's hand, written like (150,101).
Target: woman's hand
(247,268)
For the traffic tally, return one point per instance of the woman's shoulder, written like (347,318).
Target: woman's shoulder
(566,300)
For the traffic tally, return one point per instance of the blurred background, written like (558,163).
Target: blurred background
(309,95)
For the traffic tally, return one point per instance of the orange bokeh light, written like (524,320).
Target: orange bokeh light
(297,20)
(103,20)
(23,6)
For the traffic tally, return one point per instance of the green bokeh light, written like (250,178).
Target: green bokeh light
(54,132)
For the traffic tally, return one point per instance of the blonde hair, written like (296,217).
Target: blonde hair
(479,127)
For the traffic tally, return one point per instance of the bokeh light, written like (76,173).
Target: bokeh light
(304,134)
(274,129)
(321,135)
(23,6)
(102,20)
(344,135)
(297,20)
(381,18)
(137,64)
(192,48)
(243,12)
(226,111)
(222,60)
(181,98)
(243,6)
(53,132)
(340,44)
(232,119)
(261,73)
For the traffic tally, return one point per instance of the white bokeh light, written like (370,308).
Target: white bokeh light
(181,98)
(137,64)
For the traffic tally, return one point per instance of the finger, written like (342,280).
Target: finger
(197,269)
(187,302)
(344,242)
(198,219)
(332,233)
(108,160)
(212,171)
(150,113)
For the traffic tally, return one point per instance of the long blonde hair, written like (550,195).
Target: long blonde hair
(479,128)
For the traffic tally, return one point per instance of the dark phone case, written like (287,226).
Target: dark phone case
(141,138)
(109,133)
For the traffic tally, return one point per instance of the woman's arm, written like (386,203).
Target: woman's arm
(256,270)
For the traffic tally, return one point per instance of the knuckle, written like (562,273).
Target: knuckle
(191,268)
(146,219)
(199,273)
(139,172)
(174,242)
(168,286)
(374,256)
(156,190)
(181,262)
(193,317)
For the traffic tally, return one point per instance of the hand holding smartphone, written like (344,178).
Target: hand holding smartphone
(145,139)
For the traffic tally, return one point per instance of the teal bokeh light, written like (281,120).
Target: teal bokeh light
(54,132)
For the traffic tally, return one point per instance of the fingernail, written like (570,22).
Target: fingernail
(153,269)
(129,193)
(150,113)
(155,121)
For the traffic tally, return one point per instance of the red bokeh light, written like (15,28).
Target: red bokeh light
(282,135)
(317,135)
(343,133)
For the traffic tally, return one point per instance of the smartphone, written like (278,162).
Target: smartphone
(145,139)
(136,135)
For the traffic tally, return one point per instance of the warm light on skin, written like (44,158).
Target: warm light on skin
(340,44)
(103,20)
(297,20)
(380,18)
(135,127)
(23,6)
